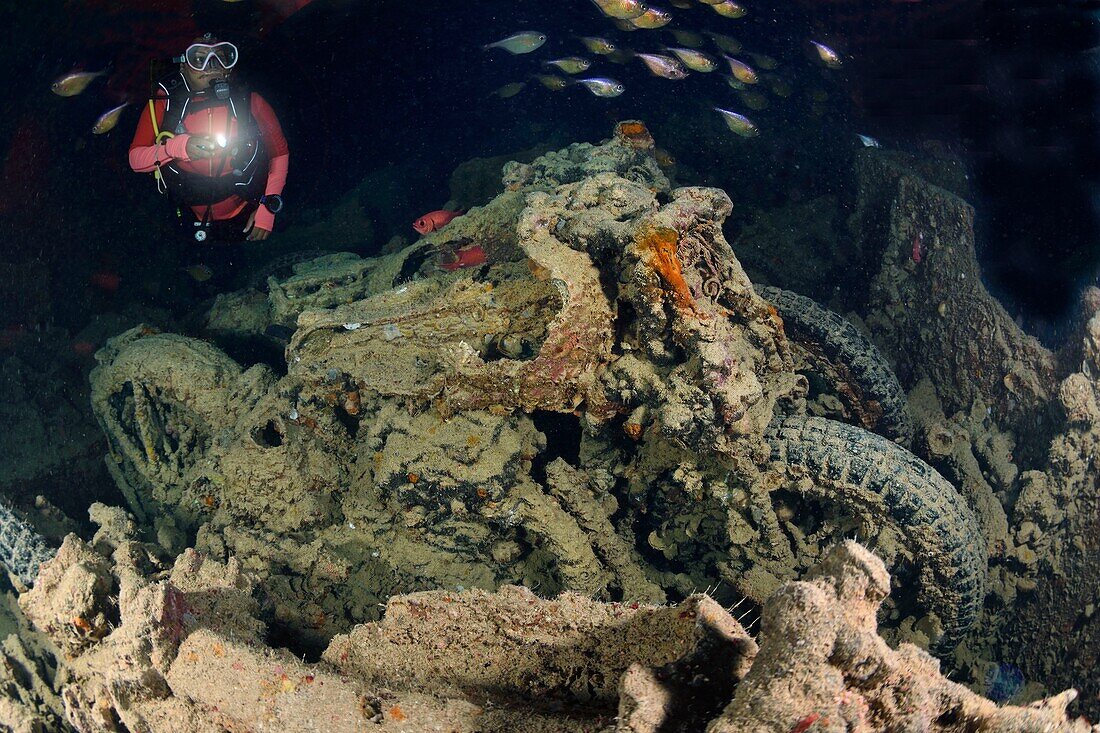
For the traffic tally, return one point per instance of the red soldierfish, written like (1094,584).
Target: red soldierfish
(805,723)
(435,220)
(918,247)
(469,256)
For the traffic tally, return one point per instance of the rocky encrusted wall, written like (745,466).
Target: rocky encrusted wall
(928,306)
(1012,424)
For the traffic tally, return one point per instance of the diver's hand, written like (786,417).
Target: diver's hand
(257,233)
(201,147)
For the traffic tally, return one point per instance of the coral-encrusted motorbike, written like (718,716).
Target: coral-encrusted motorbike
(607,405)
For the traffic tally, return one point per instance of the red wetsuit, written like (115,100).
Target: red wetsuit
(145,154)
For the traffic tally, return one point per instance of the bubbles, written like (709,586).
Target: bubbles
(1003,681)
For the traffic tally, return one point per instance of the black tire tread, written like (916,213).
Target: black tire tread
(845,347)
(859,468)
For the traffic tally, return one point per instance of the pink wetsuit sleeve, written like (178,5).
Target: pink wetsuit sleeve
(145,153)
(276,179)
(278,152)
(144,159)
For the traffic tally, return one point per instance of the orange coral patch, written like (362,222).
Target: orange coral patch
(634,133)
(661,243)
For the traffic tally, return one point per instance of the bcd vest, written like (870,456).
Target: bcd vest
(245,173)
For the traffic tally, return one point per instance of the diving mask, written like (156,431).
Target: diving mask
(199,56)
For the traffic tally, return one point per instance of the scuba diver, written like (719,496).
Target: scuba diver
(217,150)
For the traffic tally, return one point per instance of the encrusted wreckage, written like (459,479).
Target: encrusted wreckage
(187,654)
(607,406)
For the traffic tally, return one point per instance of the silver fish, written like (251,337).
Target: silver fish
(601,46)
(551,82)
(652,18)
(753,100)
(690,39)
(108,119)
(602,87)
(742,71)
(519,43)
(764,61)
(74,82)
(663,66)
(740,124)
(728,44)
(828,56)
(625,9)
(780,87)
(509,90)
(571,64)
(695,60)
(868,141)
(729,9)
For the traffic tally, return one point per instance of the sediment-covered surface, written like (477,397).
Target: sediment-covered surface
(185,652)
(596,408)
(468,493)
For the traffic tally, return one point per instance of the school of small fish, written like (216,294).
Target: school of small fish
(751,75)
(74,83)
(674,62)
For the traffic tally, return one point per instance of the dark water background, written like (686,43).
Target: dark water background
(398,91)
